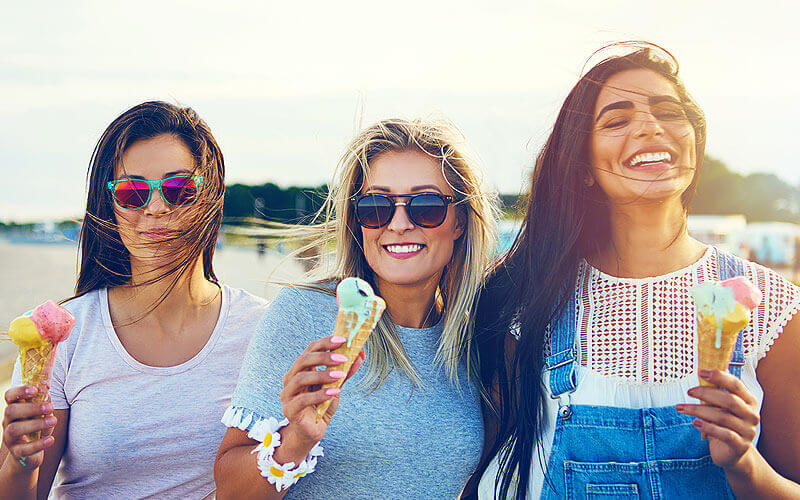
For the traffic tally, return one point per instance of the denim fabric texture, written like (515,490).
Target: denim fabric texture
(609,453)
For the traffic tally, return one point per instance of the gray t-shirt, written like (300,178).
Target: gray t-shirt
(137,431)
(393,443)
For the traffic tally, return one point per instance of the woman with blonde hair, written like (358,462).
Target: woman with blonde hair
(408,214)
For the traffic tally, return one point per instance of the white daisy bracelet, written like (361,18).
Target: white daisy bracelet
(281,475)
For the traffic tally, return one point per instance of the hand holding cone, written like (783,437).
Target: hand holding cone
(36,335)
(723,310)
(359,312)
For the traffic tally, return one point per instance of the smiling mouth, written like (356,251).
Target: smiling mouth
(649,159)
(405,250)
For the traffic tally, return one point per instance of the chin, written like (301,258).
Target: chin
(403,278)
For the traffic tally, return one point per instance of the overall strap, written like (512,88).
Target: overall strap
(561,362)
(731,267)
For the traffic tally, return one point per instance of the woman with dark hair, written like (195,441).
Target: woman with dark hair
(586,330)
(125,416)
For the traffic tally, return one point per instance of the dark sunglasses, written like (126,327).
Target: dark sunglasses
(424,209)
(176,190)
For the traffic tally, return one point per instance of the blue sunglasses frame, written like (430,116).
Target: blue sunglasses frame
(153,184)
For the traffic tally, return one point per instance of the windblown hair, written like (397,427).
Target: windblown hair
(566,220)
(104,259)
(462,278)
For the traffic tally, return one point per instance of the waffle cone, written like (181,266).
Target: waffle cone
(345,323)
(37,365)
(708,356)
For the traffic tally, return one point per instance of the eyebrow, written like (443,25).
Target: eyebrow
(651,100)
(168,174)
(424,187)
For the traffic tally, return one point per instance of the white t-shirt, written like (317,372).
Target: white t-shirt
(138,431)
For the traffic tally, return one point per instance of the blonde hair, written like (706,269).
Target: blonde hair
(462,278)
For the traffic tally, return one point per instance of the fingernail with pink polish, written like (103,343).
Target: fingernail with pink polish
(339,358)
(336,374)
(332,391)
(50,421)
(337,340)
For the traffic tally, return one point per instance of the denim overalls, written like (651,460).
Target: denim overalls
(604,452)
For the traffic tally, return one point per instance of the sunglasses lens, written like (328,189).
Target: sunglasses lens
(179,191)
(427,210)
(374,211)
(131,194)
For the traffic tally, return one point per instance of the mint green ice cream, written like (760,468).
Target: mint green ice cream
(355,295)
(711,298)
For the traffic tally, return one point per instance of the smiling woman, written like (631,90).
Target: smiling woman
(408,214)
(586,331)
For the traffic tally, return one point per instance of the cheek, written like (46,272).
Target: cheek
(126,221)
(369,238)
(604,150)
(443,237)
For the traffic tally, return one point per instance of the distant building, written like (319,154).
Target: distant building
(725,232)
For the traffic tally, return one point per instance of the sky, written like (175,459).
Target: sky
(284,85)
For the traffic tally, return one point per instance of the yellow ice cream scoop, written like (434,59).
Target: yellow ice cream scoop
(24,333)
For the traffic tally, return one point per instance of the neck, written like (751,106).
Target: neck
(139,299)
(648,240)
(411,306)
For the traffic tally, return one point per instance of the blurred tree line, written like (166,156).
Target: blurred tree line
(268,201)
(759,197)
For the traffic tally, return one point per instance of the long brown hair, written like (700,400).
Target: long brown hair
(104,260)
(566,220)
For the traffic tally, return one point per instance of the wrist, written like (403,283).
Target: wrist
(744,470)
(293,446)
(282,458)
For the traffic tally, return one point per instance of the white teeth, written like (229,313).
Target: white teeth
(660,156)
(404,248)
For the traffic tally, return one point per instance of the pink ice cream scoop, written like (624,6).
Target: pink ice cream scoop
(744,292)
(53,321)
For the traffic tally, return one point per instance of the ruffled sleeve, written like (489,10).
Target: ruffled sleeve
(293,320)
(780,303)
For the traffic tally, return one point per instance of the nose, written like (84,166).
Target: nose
(400,222)
(647,125)
(156,206)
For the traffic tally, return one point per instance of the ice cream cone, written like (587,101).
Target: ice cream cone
(346,321)
(37,365)
(715,343)
(359,312)
(708,355)
(36,335)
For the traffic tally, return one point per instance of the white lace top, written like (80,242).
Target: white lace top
(643,331)
(636,339)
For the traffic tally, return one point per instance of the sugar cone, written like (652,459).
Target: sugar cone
(710,357)
(37,366)
(345,323)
